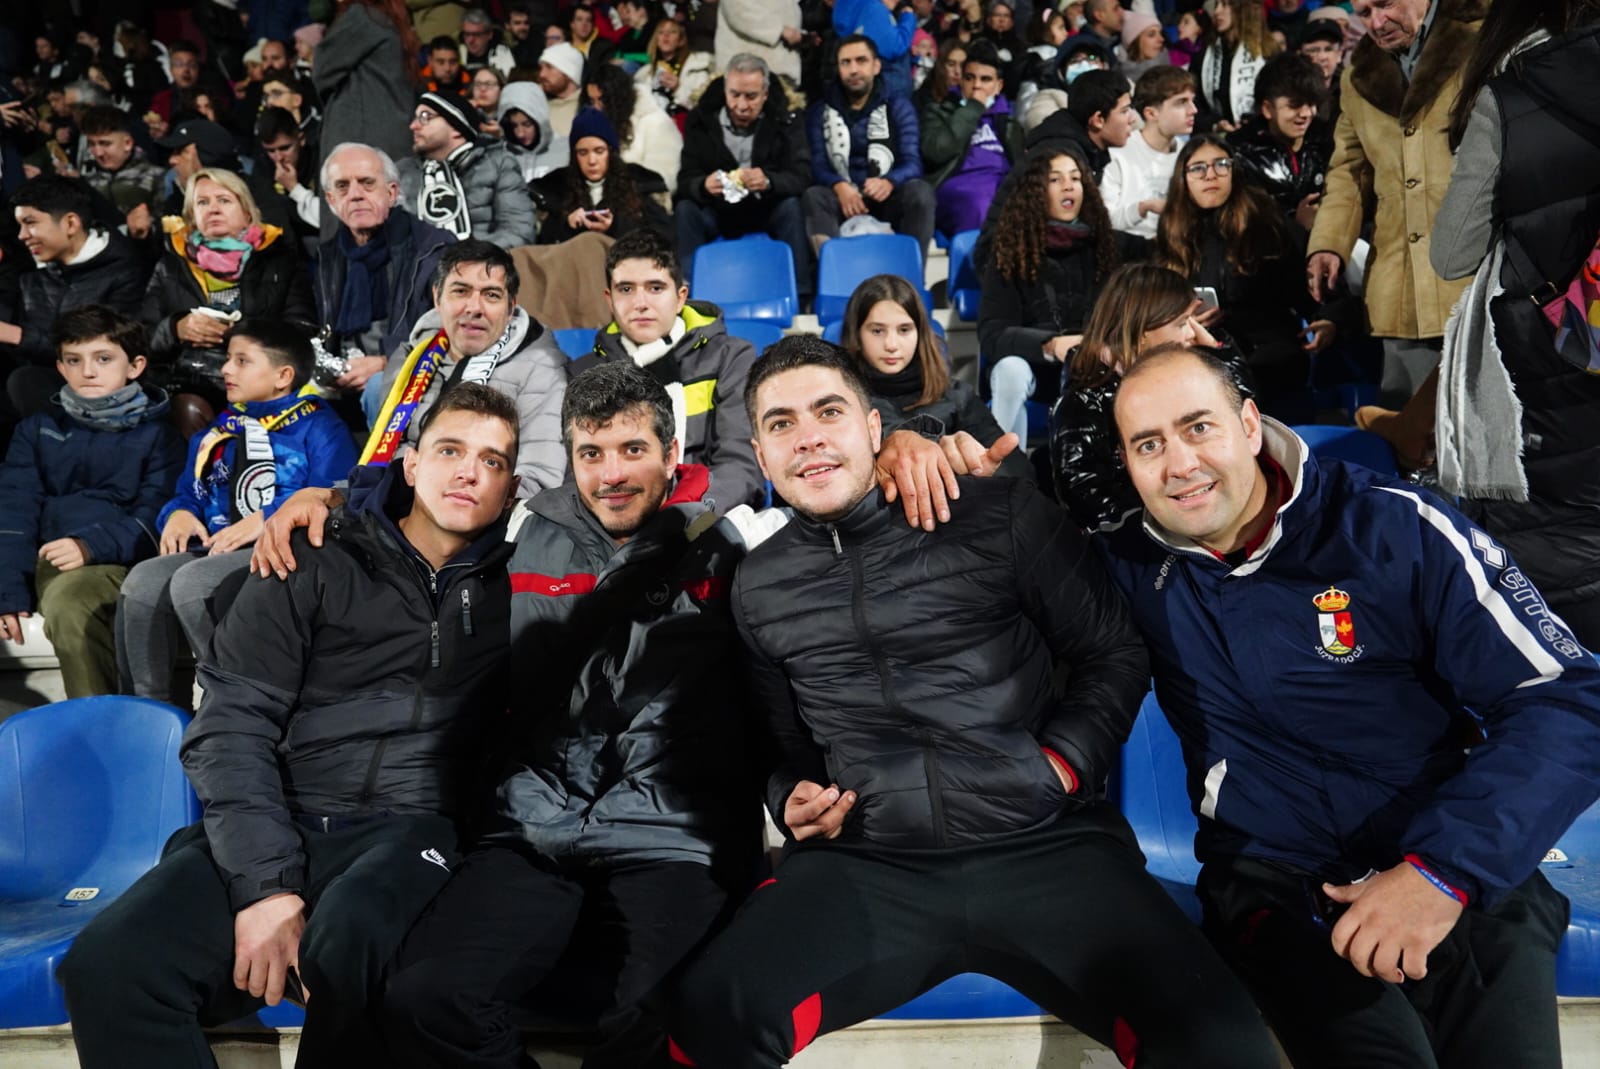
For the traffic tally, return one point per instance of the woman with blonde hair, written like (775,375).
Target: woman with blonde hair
(219,263)
(1141,307)
(1229,65)
(674,74)
(887,333)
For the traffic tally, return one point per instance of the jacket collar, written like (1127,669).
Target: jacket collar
(391,499)
(267,409)
(871,515)
(1377,76)
(1292,454)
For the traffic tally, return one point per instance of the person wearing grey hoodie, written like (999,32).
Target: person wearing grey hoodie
(530,139)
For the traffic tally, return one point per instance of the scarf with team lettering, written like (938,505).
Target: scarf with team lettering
(252,478)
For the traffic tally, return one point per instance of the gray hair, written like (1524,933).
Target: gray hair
(476,16)
(747,63)
(90,95)
(391,173)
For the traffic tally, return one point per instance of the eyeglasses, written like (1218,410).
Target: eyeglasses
(423,117)
(1199,170)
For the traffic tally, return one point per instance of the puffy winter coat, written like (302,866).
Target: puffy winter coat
(497,195)
(630,739)
(313,449)
(533,374)
(68,478)
(551,152)
(779,149)
(1391,142)
(1289,177)
(362,685)
(274,285)
(915,668)
(896,155)
(712,367)
(1091,480)
(1320,688)
(414,251)
(111,270)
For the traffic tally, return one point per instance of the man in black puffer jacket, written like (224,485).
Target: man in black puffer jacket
(945,707)
(627,794)
(342,729)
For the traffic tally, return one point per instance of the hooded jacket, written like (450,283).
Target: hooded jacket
(915,667)
(709,367)
(779,149)
(361,686)
(533,373)
(68,478)
(497,195)
(629,742)
(1319,688)
(273,285)
(109,270)
(311,449)
(551,152)
(414,251)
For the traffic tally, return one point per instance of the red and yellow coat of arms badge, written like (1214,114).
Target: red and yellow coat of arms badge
(1335,624)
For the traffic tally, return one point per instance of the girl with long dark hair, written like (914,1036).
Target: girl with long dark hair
(596,191)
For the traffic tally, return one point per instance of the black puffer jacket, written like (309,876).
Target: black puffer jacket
(1091,480)
(362,685)
(1549,209)
(274,285)
(115,276)
(778,148)
(915,668)
(630,744)
(1287,176)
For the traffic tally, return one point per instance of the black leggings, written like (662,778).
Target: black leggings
(1066,915)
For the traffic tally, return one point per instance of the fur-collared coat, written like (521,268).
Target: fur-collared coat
(1391,142)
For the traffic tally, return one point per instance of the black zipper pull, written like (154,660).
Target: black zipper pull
(466,611)
(436,662)
(838,550)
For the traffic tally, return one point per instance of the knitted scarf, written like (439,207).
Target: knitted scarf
(223,258)
(116,411)
(366,279)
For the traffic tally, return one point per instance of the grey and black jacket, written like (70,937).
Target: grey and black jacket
(712,366)
(364,685)
(930,672)
(629,735)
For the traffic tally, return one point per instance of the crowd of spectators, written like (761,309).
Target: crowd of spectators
(288,234)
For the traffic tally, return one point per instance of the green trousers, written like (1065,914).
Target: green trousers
(79,607)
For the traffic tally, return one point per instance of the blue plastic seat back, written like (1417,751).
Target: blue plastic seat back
(93,789)
(1153,795)
(751,278)
(575,342)
(845,262)
(758,332)
(1349,444)
(963,285)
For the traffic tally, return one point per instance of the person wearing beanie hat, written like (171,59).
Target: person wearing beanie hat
(592,122)
(1142,43)
(561,78)
(458,185)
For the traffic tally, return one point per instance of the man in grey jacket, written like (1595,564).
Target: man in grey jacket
(627,793)
(457,184)
(686,347)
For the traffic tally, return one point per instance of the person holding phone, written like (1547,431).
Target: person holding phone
(1141,307)
(1230,238)
(597,191)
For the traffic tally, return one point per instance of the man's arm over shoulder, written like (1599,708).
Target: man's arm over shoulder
(1537,691)
(1065,591)
(251,676)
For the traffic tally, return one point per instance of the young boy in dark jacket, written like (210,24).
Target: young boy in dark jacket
(267,444)
(79,492)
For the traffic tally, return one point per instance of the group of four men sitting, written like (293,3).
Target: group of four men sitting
(931,710)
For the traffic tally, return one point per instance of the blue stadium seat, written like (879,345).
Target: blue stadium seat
(1350,444)
(845,262)
(575,341)
(751,278)
(92,790)
(1151,791)
(963,283)
(758,332)
(1573,868)
(969,996)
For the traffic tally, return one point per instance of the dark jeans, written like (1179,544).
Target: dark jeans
(1489,999)
(783,221)
(1067,915)
(909,210)
(156,967)
(502,925)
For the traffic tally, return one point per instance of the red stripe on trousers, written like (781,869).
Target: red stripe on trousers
(1124,1042)
(807,1019)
